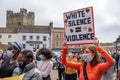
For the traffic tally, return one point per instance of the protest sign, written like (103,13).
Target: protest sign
(79,26)
(20,77)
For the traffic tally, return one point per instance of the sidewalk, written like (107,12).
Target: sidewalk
(54,75)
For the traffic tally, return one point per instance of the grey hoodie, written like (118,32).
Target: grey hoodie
(30,70)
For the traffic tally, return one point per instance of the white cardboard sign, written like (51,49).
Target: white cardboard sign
(79,26)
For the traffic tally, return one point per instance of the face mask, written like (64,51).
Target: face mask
(70,54)
(41,57)
(87,57)
(38,58)
(9,53)
(21,64)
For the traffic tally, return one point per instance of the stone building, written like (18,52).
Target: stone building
(20,27)
(23,18)
(35,36)
(57,38)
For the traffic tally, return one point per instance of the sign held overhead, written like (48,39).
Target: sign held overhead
(79,26)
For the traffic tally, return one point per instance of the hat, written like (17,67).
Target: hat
(17,45)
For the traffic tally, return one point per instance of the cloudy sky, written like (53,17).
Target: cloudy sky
(106,13)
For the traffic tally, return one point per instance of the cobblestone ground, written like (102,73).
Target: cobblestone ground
(54,75)
(114,76)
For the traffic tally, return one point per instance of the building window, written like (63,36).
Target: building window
(57,35)
(63,35)
(31,38)
(0,36)
(24,46)
(37,46)
(9,43)
(44,45)
(23,38)
(0,42)
(44,38)
(37,38)
(9,36)
(57,45)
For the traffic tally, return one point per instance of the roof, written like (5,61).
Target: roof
(58,28)
(27,29)
(3,46)
(8,30)
(34,29)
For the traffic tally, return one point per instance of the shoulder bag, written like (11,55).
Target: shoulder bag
(85,73)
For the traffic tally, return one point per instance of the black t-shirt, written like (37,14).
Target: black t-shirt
(6,68)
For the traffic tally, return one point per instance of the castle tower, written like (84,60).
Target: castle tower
(23,18)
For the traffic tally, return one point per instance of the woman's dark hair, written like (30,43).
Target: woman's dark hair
(9,47)
(46,52)
(93,49)
(16,55)
(28,54)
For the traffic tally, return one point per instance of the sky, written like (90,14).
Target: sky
(106,14)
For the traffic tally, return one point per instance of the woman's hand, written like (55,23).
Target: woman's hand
(96,41)
(65,45)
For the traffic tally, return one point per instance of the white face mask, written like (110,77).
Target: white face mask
(9,53)
(87,57)
(41,57)
(69,54)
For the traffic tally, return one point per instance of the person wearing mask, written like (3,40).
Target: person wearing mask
(3,56)
(118,71)
(9,51)
(70,73)
(37,55)
(109,74)
(61,69)
(90,67)
(27,66)
(7,67)
(45,65)
(115,55)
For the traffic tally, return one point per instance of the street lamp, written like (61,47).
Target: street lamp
(118,44)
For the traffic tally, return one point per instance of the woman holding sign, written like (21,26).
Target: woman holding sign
(90,67)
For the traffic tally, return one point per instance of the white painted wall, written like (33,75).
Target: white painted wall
(47,42)
(5,39)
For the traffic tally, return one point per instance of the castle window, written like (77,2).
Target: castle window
(23,38)
(9,36)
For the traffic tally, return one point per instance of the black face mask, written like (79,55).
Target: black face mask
(22,64)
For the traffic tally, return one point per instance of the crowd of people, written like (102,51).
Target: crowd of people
(93,63)
(16,61)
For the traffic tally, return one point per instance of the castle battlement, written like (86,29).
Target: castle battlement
(22,10)
(9,12)
(23,17)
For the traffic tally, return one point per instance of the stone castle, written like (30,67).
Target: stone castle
(21,18)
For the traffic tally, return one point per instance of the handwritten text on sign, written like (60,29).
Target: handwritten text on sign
(79,26)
